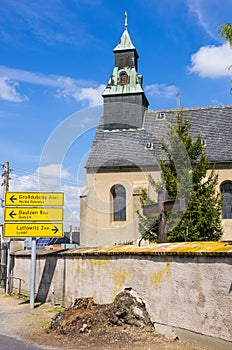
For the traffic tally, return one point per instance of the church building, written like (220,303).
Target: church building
(126,149)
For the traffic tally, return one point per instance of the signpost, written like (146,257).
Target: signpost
(33,230)
(50,199)
(33,214)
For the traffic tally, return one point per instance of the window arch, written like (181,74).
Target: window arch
(118,193)
(226,190)
(123,78)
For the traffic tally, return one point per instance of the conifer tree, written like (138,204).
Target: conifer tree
(185,174)
(226,32)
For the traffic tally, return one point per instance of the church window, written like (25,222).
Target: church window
(119,202)
(226,189)
(161,115)
(123,78)
(203,142)
(149,145)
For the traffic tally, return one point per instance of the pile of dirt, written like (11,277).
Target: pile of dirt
(124,324)
(125,321)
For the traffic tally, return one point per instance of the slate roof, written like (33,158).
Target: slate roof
(127,148)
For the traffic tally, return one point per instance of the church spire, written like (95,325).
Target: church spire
(126,22)
(125,42)
(124,88)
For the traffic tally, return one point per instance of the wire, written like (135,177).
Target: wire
(49,186)
(45,176)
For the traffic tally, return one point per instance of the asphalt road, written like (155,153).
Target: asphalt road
(10,343)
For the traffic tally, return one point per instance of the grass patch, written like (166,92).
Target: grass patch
(45,324)
(56,309)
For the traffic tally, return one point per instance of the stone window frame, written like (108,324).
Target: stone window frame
(226,190)
(118,193)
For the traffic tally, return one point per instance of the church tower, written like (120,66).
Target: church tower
(124,98)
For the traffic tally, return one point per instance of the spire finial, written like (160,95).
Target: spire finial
(125,24)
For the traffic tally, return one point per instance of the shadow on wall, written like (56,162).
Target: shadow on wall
(46,279)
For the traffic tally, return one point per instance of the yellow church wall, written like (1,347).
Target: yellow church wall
(97,227)
(224,175)
(96,220)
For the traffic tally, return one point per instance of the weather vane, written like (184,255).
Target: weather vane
(126,24)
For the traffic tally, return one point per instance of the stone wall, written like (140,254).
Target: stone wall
(184,288)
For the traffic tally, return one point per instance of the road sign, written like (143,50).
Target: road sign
(17,199)
(33,214)
(33,229)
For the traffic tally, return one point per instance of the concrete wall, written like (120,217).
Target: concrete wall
(192,292)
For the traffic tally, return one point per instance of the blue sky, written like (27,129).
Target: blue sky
(56,57)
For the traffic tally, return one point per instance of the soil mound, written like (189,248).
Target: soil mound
(118,322)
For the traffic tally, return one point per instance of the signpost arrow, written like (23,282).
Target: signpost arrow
(13,198)
(55,229)
(12,214)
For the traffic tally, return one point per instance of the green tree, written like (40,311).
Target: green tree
(226,32)
(185,174)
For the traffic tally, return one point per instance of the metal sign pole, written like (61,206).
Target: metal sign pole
(8,268)
(33,271)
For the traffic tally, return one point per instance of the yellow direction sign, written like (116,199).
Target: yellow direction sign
(33,214)
(34,199)
(33,230)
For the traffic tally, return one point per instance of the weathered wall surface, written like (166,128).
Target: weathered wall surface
(186,290)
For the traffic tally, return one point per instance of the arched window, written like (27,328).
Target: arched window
(119,202)
(123,78)
(226,189)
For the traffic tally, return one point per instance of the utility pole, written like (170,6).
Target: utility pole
(70,234)
(6,177)
(5,255)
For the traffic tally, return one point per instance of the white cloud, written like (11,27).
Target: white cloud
(93,95)
(65,87)
(45,178)
(51,175)
(28,77)
(8,91)
(162,90)
(210,14)
(80,94)
(203,16)
(212,61)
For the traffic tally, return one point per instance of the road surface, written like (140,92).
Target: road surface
(10,343)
